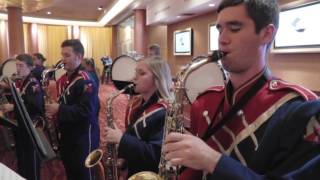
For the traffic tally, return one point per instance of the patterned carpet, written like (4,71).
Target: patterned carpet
(53,170)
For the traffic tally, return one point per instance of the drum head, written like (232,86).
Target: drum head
(203,78)
(60,72)
(123,71)
(8,68)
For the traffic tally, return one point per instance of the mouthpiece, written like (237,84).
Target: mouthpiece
(216,55)
(60,65)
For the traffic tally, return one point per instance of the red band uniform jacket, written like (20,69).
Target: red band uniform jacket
(141,143)
(77,122)
(28,159)
(267,137)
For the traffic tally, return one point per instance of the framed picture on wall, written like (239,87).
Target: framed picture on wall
(182,42)
(213,38)
(299,30)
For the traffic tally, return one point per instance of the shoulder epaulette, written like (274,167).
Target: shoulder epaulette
(278,84)
(163,103)
(212,89)
(84,74)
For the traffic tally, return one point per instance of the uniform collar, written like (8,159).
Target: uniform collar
(73,74)
(26,79)
(233,96)
(145,105)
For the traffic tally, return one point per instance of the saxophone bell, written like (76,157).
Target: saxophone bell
(105,160)
(94,158)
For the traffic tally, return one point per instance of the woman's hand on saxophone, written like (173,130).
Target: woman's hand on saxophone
(51,109)
(114,135)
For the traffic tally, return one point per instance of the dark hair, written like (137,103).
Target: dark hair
(40,56)
(25,58)
(155,48)
(262,12)
(75,44)
(90,61)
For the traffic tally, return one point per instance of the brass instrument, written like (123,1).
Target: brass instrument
(174,121)
(7,131)
(105,160)
(48,122)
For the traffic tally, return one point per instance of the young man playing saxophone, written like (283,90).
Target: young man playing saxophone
(76,112)
(257,126)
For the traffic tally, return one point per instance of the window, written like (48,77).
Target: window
(213,38)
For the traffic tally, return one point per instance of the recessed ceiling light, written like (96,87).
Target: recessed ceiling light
(178,16)
(212,5)
(100,8)
(49,12)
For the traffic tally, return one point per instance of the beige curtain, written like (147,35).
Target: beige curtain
(49,41)
(27,38)
(97,43)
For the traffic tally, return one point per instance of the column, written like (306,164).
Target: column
(114,40)
(15,31)
(140,32)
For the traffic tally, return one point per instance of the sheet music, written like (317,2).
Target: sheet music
(8,174)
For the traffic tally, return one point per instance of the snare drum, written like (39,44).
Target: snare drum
(123,71)
(8,68)
(204,77)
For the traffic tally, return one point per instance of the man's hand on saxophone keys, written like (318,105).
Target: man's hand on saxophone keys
(113,135)
(51,109)
(190,151)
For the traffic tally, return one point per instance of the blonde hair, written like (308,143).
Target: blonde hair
(163,79)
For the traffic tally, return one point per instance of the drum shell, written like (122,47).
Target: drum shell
(204,77)
(123,71)
(8,68)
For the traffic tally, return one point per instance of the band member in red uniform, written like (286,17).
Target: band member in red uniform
(32,95)
(38,60)
(257,126)
(140,145)
(76,112)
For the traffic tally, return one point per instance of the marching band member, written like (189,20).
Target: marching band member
(76,112)
(32,95)
(38,60)
(89,65)
(140,144)
(257,126)
(154,50)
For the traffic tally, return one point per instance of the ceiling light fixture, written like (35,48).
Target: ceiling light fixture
(114,11)
(212,5)
(49,12)
(100,8)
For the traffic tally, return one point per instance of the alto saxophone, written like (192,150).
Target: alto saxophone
(48,122)
(174,121)
(105,160)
